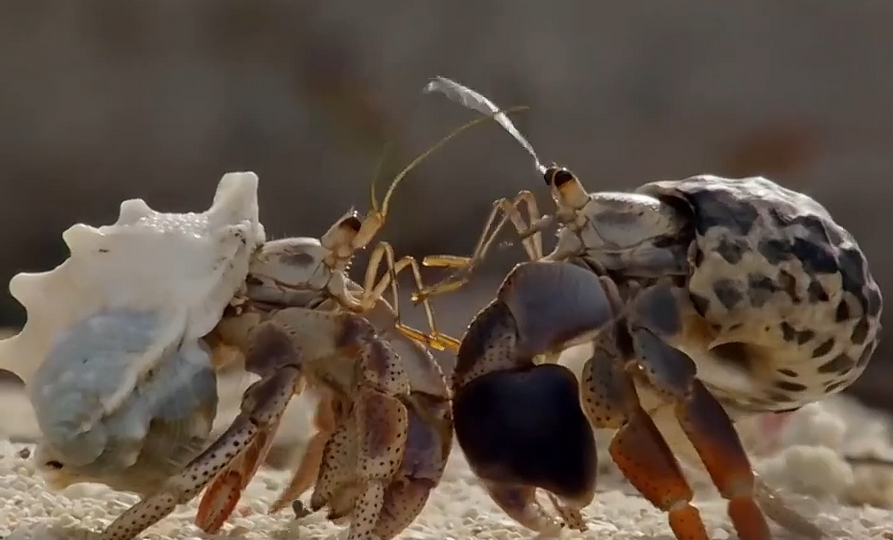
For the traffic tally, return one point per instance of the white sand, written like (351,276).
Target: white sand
(805,457)
(458,509)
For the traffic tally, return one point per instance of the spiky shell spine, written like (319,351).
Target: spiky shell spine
(129,296)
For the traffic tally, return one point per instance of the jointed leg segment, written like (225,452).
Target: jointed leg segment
(262,407)
(308,469)
(531,241)
(372,291)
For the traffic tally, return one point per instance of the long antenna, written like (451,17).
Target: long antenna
(378,169)
(492,115)
(477,101)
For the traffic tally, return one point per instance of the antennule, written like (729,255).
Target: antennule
(476,101)
(494,115)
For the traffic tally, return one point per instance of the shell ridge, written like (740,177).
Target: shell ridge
(186,267)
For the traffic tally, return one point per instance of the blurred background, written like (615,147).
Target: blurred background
(102,101)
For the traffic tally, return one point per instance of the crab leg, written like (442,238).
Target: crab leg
(707,426)
(367,446)
(669,372)
(262,407)
(637,354)
(308,470)
(428,444)
(533,244)
(223,494)
(610,400)
(372,291)
(379,424)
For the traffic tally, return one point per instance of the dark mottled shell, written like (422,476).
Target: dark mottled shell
(772,269)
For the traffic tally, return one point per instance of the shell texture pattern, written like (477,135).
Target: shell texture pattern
(112,351)
(786,290)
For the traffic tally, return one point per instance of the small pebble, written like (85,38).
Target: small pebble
(300,510)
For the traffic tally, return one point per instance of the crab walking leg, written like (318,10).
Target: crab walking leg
(610,400)
(364,454)
(533,244)
(262,407)
(427,451)
(308,469)
(337,472)
(368,444)
(513,447)
(222,496)
(372,292)
(773,504)
(708,427)
(673,375)
(382,425)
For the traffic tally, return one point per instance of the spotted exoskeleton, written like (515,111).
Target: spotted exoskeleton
(701,300)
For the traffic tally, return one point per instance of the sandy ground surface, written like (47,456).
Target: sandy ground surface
(458,509)
(803,459)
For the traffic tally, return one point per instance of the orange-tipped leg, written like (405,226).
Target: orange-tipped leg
(714,437)
(646,460)
(708,427)
(222,496)
(610,400)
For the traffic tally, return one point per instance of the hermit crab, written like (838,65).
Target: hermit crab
(700,300)
(118,355)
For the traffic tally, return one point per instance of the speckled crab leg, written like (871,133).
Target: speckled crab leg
(308,469)
(270,354)
(366,450)
(222,496)
(428,444)
(359,461)
(610,400)
(262,407)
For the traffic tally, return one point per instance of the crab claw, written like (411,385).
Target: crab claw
(520,425)
(524,426)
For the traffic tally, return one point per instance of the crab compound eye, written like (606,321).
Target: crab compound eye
(53,464)
(557,176)
(561,177)
(353,223)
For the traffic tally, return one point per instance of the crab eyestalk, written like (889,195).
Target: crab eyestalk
(369,227)
(567,190)
(341,238)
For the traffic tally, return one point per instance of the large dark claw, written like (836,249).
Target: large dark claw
(527,427)
(521,425)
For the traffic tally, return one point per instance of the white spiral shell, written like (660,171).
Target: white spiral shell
(131,295)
